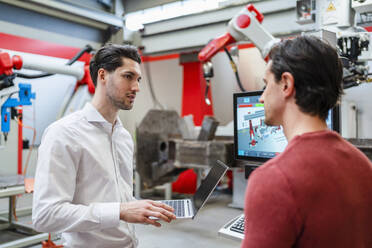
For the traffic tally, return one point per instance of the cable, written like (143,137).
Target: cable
(149,81)
(86,49)
(235,69)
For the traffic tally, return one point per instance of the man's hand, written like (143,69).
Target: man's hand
(140,211)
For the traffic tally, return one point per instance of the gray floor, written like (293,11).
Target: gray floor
(200,232)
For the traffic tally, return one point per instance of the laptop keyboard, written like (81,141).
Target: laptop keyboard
(178,206)
(238,225)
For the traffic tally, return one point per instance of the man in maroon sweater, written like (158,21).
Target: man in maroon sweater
(318,192)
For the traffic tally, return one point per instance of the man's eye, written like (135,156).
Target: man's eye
(264,88)
(128,76)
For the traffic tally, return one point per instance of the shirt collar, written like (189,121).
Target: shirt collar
(92,115)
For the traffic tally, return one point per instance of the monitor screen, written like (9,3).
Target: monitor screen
(253,139)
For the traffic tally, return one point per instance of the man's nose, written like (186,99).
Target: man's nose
(261,100)
(136,87)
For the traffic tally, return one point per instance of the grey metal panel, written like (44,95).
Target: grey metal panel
(36,20)
(90,4)
(134,5)
(198,29)
(279,24)
(181,39)
(33,33)
(215,16)
(61,9)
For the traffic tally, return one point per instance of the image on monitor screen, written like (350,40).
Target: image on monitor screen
(253,139)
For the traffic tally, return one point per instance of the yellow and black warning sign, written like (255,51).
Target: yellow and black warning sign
(331,7)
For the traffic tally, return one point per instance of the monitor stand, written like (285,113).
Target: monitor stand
(249,166)
(240,174)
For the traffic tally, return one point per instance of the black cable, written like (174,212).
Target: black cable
(27,76)
(235,69)
(349,85)
(86,49)
(9,96)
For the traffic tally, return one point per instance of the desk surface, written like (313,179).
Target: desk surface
(11,185)
(11,180)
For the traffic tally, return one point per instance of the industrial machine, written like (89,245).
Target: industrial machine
(24,98)
(20,61)
(336,17)
(13,96)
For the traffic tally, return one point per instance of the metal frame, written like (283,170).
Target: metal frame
(6,223)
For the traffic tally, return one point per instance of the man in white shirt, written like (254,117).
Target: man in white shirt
(84,175)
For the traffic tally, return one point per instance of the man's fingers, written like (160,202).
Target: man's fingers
(169,215)
(152,222)
(162,205)
(159,215)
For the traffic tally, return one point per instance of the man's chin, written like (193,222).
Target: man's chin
(126,106)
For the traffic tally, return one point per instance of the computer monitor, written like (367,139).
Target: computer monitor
(253,139)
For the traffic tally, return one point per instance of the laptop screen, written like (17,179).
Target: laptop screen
(208,184)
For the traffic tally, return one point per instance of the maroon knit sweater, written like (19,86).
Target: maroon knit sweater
(317,193)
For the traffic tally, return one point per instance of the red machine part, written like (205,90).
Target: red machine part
(86,80)
(243,21)
(259,15)
(17,62)
(214,46)
(7,64)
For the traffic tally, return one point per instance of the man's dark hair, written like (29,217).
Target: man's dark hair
(109,57)
(316,69)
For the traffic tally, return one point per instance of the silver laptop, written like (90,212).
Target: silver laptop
(188,208)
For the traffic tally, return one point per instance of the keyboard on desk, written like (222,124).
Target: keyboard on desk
(178,206)
(234,229)
(238,225)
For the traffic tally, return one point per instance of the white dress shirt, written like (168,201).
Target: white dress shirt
(84,170)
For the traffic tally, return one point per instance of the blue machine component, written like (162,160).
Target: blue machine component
(24,98)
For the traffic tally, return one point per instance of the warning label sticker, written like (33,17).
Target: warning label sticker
(331,7)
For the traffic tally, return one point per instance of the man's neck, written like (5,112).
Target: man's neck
(105,108)
(299,123)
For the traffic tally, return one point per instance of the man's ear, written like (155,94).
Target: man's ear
(288,84)
(102,75)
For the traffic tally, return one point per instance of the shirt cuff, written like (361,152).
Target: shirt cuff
(109,214)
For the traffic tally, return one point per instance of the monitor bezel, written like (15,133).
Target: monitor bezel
(237,156)
(335,124)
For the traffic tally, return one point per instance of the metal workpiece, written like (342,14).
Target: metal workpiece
(208,128)
(152,135)
(163,150)
(202,154)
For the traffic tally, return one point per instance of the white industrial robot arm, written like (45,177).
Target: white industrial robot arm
(244,26)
